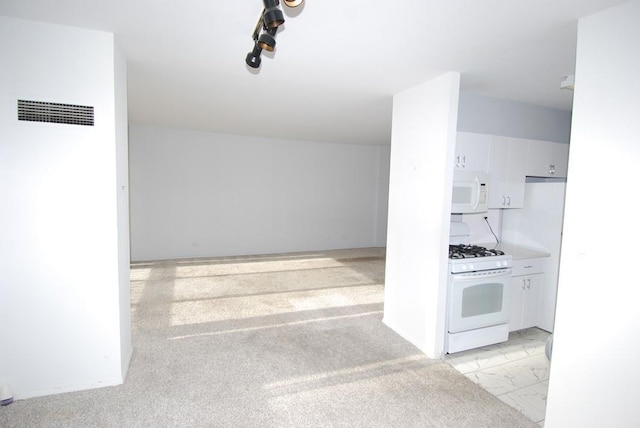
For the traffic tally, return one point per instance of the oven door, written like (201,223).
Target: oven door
(478,299)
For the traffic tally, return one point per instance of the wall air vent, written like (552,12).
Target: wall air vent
(39,111)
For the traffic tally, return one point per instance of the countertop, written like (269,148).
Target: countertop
(516,251)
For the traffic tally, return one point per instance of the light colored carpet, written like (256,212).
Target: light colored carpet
(270,341)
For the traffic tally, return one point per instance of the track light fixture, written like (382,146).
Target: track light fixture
(264,34)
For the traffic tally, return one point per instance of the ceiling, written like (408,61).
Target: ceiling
(337,63)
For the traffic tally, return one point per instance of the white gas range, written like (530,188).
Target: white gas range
(477,293)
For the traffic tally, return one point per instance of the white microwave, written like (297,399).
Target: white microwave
(470,192)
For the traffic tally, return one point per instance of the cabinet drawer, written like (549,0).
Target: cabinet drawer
(528,266)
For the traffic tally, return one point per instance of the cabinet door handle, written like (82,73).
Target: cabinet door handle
(464,161)
(504,201)
(552,169)
(523,284)
(458,161)
(528,284)
(508,201)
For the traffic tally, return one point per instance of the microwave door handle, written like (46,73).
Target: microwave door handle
(477,202)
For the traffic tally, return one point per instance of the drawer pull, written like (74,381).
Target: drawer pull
(527,267)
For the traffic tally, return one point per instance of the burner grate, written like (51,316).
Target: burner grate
(471,251)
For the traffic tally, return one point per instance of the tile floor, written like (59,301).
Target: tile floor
(516,371)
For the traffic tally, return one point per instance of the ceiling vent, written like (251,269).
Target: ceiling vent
(39,111)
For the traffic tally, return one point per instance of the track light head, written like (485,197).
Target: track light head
(253,59)
(293,3)
(272,16)
(267,41)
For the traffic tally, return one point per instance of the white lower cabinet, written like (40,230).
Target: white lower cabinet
(526,291)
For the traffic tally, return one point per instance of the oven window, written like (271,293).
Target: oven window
(482,299)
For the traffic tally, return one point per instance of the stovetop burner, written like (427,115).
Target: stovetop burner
(471,251)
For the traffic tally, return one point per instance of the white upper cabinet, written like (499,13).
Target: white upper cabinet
(547,159)
(507,164)
(472,151)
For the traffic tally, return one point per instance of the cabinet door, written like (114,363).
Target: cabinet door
(507,165)
(515,180)
(525,301)
(472,151)
(560,159)
(498,162)
(531,299)
(547,159)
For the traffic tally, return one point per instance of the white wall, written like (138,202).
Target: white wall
(421,173)
(384,154)
(198,194)
(595,375)
(122,199)
(486,115)
(63,290)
